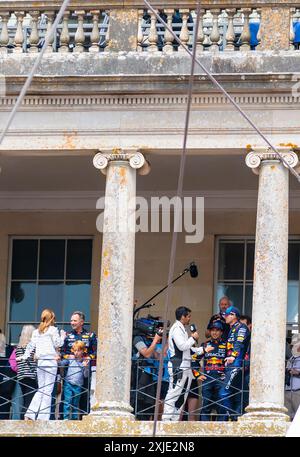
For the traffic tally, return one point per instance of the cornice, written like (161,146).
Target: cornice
(163,101)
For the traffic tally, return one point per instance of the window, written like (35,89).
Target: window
(48,273)
(234,276)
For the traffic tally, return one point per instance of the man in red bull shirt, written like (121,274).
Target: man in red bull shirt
(236,347)
(214,366)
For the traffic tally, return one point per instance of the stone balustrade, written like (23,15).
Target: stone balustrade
(80,30)
(224,26)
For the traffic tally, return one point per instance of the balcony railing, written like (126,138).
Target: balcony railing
(224,26)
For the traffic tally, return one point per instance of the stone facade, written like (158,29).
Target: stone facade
(131,95)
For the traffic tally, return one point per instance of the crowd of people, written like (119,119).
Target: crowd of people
(221,363)
(53,369)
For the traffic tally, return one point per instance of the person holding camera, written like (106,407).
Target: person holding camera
(180,348)
(144,369)
(292,381)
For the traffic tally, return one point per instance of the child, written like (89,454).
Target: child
(76,372)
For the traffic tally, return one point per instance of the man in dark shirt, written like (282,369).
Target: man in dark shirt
(80,333)
(90,340)
(224,303)
(214,366)
(236,348)
(143,387)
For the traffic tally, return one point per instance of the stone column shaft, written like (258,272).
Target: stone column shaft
(116,287)
(270,286)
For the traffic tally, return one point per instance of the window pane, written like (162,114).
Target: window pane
(233,291)
(22,301)
(248,300)
(77,298)
(50,295)
(293,261)
(293,299)
(24,255)
(15,332)
(52,259)
(79,259)
(250,261)
(231,261)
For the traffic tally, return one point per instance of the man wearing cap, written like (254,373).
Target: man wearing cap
(236,347)
(214,366)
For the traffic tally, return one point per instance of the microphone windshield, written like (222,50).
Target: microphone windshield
(193,270)
(193,328)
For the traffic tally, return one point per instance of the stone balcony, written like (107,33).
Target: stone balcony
(128,26)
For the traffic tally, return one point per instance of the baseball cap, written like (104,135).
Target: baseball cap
(232,310)
(216,324)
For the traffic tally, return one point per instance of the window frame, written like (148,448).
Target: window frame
(292,326)
(8,322)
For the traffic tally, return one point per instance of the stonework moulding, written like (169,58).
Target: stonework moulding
(136,160)
(257,155)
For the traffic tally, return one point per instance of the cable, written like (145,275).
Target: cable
(176,218)
(33,70)
(220,87)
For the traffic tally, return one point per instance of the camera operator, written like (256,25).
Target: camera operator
(145,354)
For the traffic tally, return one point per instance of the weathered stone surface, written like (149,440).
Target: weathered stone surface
(149,65)
(275,28)
(116,290)
(123,26)
(269,285)
(93,427)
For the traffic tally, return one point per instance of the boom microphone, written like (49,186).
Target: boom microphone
(193,270)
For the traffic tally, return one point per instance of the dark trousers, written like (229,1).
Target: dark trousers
(211,388)
(5,402)
(230,393)
(246,382)
(28,387)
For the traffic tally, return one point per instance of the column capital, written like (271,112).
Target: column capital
(135,159)
(258,155)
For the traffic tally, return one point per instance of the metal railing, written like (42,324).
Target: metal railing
(222,395)
(48,394)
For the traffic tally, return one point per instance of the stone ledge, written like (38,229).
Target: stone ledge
(150,64)
(93,427)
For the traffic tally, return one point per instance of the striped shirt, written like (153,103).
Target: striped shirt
(45,344)
(26,368)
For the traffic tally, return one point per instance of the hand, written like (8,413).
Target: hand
(157,338)
(195,335)
(294,372)
(57,357)
(86,362)
(63,333)
(229,360)
(202,377)
(19,359)
(209,348)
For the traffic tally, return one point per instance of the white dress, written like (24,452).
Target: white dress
(45,345)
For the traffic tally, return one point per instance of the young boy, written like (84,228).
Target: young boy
(74,377)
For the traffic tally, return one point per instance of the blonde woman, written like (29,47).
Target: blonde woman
(45,341)
(26,373)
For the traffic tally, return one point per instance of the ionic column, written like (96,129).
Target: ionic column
(116,284)
(270,285)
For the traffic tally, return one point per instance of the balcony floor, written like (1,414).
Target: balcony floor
(95,427)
